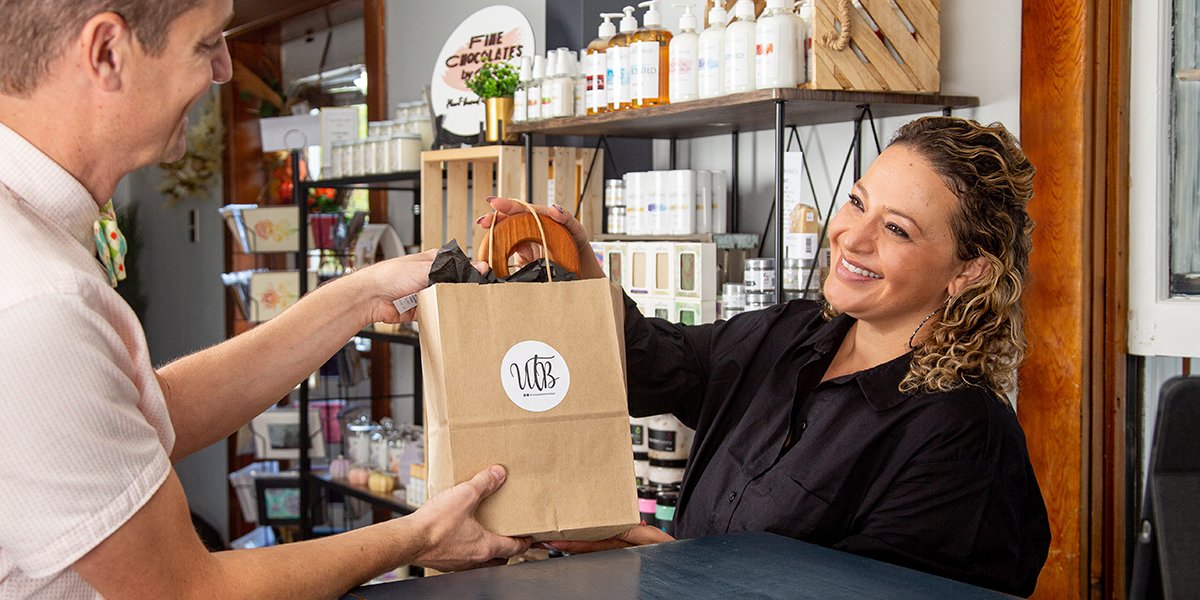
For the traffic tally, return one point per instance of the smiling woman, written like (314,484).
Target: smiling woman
(824,423)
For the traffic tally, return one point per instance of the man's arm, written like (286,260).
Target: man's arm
(156,554)
(211,393)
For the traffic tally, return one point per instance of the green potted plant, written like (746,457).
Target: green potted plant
(495,83)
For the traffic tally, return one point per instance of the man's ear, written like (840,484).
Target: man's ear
(973,271)
(104,47)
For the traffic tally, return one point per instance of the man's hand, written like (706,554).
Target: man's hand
(454,539)
(382,283)
(641,535)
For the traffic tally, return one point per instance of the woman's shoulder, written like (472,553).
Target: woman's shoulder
(965,423)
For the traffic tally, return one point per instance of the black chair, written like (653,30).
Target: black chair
(1166,561)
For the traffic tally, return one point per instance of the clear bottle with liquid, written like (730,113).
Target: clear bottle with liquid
(620,95)
(650,60)
(709,70)
(596,66)
(682,83)
(738,59)
(550,85)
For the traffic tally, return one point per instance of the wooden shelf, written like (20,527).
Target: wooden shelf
(387,501)
(722,240)
(747,111)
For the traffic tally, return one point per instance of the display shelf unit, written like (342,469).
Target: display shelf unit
(360,492)
(759,110)
(403,181)
(746,111)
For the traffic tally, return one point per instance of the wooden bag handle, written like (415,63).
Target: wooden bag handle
(504,237)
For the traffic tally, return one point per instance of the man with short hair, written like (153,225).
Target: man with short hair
(91,505)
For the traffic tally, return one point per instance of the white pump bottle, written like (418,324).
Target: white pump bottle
(739,49)
(709,69)
(684,54)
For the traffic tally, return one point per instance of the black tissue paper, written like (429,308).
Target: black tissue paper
(451,265)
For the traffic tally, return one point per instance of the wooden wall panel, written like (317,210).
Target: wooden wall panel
(1074,98)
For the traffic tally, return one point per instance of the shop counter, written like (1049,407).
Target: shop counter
(742,565)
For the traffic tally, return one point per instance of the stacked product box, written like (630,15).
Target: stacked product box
(676,281)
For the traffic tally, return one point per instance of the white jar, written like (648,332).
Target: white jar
(405,152)
(424,128)
(665,472)
(668,439)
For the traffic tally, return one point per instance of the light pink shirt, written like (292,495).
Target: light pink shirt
(84,430)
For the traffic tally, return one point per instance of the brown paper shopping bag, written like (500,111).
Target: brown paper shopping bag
(531,376)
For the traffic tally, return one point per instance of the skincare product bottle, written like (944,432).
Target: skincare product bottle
(534,97)
(805,14)
(596,66)
(649,56)
(709,70)
(739,49)
(776,50)
(682,84)
(521,94)
(621,97)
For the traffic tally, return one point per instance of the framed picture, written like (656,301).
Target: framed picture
(278,500)
(277,434)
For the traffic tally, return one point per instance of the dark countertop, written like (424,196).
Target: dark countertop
(742,565)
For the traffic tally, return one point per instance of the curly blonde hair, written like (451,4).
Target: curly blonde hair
(979,338)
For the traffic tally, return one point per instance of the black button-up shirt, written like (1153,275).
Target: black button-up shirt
(936,482)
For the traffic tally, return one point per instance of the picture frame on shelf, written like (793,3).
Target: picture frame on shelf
(277,434)
(278,500)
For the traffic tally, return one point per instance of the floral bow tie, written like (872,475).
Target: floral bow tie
(110,244)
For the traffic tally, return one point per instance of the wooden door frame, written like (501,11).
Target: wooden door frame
(1075,128)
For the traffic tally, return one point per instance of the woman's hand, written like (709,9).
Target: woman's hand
(588,267)
(641,535)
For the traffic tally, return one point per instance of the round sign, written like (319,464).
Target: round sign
(496,33)
(535,376)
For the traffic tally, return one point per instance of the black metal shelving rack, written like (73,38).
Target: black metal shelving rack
(780,109)
(400,181)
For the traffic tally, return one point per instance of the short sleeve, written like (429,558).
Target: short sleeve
(78,457)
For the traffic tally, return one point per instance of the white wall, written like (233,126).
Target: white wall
(416,32)
(980,56)
(186,303)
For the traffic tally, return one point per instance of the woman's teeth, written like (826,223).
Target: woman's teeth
(862,272)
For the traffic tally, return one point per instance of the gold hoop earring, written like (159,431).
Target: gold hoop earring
(926,320)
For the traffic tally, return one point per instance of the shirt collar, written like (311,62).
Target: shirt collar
(46,186)
(879,384)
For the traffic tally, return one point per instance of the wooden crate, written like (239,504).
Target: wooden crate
(839,67)
(455,185)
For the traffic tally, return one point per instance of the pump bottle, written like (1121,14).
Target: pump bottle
(776,50)
(595,66)
(682,83)
(521,94)
(534,98)
(620,93)
(806,29)
(552,85)
(709,70)
(648,55)
(739,49)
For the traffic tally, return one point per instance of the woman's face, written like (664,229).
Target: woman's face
(893,254)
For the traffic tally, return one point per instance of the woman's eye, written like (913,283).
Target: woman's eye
(896,229)
(856,201)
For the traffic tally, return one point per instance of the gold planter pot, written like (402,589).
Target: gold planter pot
(499,116)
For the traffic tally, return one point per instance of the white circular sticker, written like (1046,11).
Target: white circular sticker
(535,376)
